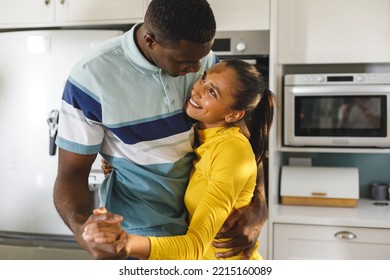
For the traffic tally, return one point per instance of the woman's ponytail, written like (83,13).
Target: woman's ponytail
(259,124)
(257,101)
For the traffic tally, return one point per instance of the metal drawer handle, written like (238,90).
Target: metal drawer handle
(47,2)
(345,235)
(62,2)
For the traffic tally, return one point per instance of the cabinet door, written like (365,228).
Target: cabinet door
(333,31)
(100,11)
(15,13)
(307,242)
(241,15)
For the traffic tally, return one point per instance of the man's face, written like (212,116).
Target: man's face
(181,60)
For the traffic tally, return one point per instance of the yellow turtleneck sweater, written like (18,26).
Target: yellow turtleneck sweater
(223,178)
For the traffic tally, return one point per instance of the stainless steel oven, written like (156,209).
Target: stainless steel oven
(250,46)
(344,110)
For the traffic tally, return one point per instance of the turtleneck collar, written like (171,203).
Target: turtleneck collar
(208,133)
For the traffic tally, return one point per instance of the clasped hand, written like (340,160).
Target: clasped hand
(105,232)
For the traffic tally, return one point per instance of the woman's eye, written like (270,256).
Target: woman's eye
(212,92)
(203,78)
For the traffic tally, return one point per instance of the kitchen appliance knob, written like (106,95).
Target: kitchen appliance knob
(360,78)
(320,79)
(241,46)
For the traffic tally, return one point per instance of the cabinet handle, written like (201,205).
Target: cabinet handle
(345,235)
(47,2)
(62,2)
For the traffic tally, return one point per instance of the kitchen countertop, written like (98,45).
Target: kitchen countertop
(366,214)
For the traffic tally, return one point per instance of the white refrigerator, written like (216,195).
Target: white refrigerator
(34,66)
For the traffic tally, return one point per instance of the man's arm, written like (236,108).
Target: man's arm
(72,198)
(244,225)
(259,196)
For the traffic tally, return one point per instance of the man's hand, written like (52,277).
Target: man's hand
(103,227)
(242,228)
(103,235)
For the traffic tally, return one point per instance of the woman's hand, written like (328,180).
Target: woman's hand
(116,248)
(104,236)
(105,167)
(104,228)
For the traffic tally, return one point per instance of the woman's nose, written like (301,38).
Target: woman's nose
(195,92)
(198,91)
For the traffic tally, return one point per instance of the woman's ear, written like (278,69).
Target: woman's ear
(235,116)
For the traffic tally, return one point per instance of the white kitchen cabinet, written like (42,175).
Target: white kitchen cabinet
(333,31)
(311,242)
(48,13)
(22,12)
(241,15)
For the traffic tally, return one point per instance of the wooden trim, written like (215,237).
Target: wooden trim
(319,201)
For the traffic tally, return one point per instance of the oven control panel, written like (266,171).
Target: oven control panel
(354,78)
(254,42)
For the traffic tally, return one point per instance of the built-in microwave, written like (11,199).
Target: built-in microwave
(343,110)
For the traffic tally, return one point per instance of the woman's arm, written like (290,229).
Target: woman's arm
(243,226)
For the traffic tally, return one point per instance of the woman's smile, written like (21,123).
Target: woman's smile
(193,103)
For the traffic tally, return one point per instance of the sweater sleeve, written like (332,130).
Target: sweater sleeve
(231,172)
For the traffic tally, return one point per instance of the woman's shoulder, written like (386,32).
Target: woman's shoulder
(234,142)
(233,134)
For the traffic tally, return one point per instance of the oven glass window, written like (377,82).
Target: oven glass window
(354,116)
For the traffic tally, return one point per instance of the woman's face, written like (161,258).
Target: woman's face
(212,97)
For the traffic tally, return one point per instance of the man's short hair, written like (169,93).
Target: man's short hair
(174,20)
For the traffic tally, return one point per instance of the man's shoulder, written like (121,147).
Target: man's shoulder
(102,49)
(97,61)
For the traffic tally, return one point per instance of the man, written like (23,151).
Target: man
(125,101)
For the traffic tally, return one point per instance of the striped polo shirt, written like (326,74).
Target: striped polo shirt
(118,104)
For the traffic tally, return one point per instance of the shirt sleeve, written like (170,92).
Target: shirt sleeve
(80,129)
(232,173)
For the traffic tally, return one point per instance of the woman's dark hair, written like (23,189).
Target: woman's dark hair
(174,20)
(257,101)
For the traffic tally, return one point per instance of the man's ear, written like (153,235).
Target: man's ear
(235,116)
(149,39)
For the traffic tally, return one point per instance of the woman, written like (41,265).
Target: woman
(224,171)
